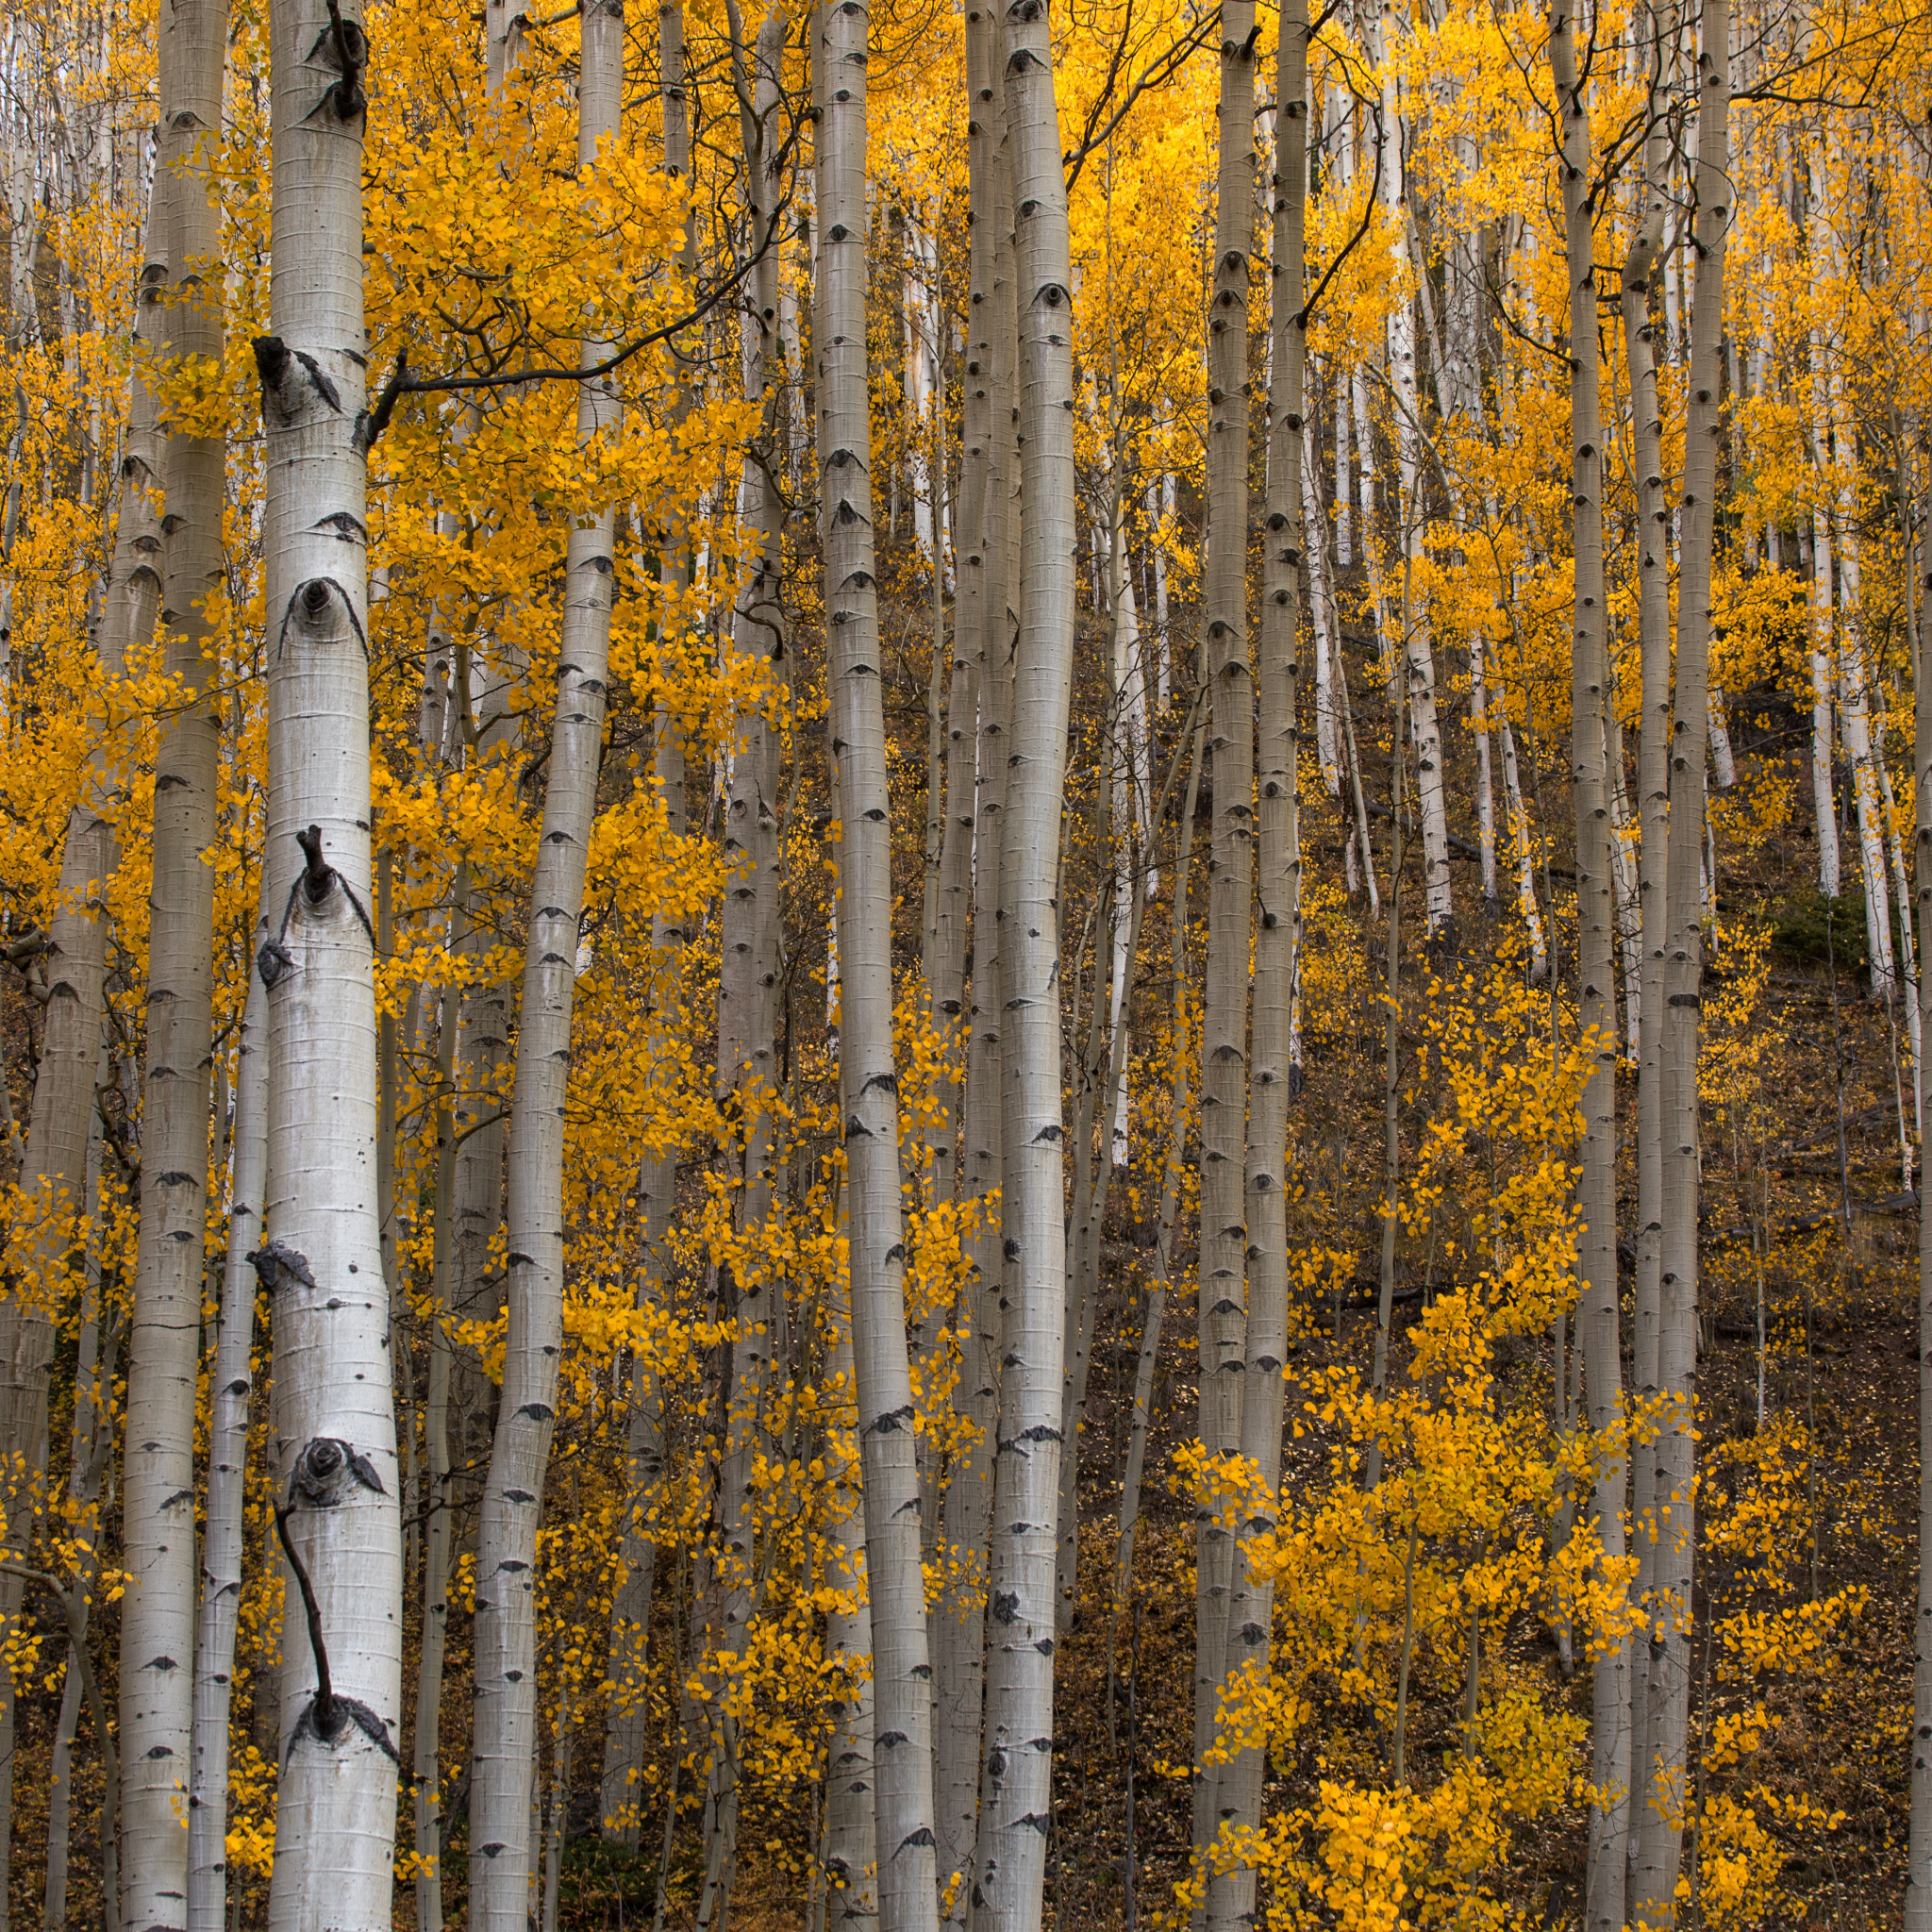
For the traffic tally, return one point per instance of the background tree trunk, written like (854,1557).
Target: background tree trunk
(902,1686)
(504,1733)
(1221,1312)
(1661,1774)
(1598,1313)
(157,1675)
(1278,942)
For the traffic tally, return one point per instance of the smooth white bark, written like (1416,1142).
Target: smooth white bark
(337,1474)
(157,1612)
(902,1688)
(1591,698)
(506,1708)
(1248,1645)
(1223,1295)
(1660,1774)
(1015,1804)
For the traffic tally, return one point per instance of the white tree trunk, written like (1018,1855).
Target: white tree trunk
(506,1634)
(1525,861)
(625,1726)
(64,1108)
(1824,804)
(1917,1899)
(1591,700)
(1623,875)
(1856,719)
(1485,791)
(902,1691)
(1015,1804)
(1661,1771)
(1322,613)
(985,583)
(337,1474)
(851,1835)
(222,1549)
(158,1613)
(1223,1300)
(1610,1864)
(1438,899)
(1277,940)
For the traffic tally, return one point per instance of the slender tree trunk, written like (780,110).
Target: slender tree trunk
(505,1730)
(851,1839)
(335,1424)
(1392,137)
(626,1734)
(1278,942)
(1323,615)
(1824,804)
(1623,874)
(902,1694)
(1015,1796)
(1598,1313)
(222,1544)
(749,918)
(91,1451)
(1652,787)
(437,1528)
(156,1678)
(1148,1356)
(1485,788)
(1918,1902)
(1661,1775)
(988,399)
(65,1103)
(1221,1312)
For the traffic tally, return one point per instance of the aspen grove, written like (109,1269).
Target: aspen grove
(964,967)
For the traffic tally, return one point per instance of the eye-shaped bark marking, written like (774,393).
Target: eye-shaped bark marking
(329,1717)
(327,1470)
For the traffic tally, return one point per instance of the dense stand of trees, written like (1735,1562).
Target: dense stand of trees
(733,738)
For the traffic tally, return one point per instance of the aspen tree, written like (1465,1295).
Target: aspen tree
(625,1736)
(1917,1899)
(504,1728)
(1653,785)
(1154,1311)
(957,807)
(851,1851)
(64,1104)
(1015,1802)
(1278,943)
(749,917)
(1590,699)
(223,1536)
(1660,1777)
(1392,137)
(1231,873)
(157,1675)
(337,1486)
(985,485)
(901,1693)
(91,1447)
(436,1529)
